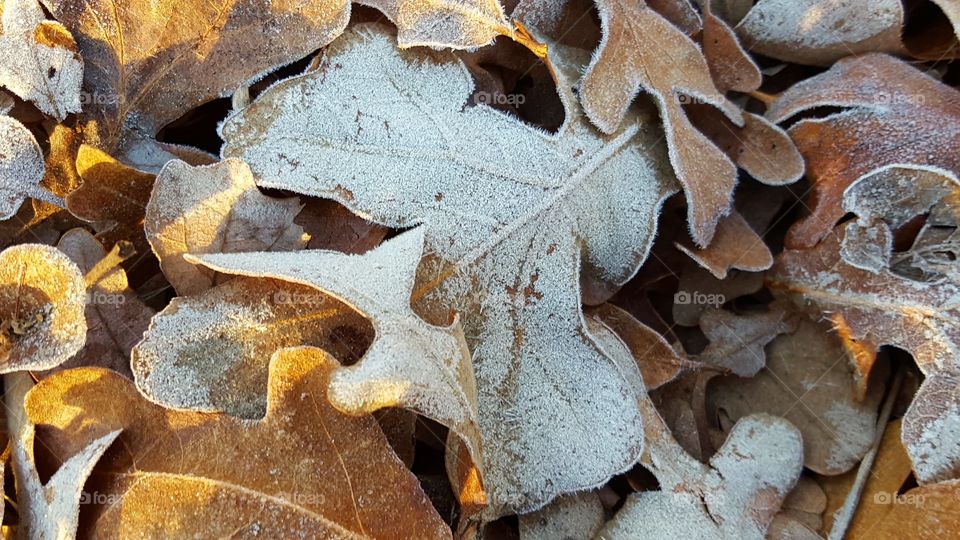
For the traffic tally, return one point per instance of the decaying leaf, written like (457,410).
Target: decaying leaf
(148,63)
(21,167)
(805,504)
(214,209)
(923,512)
(46,510)
(735,496)
(508,210)
(888,475)
(210,352)
(808,381)
(822,31)
(39,60)
(304,468)
(735,245)
(737,341)
(873,309)
(579,515)
(116,318)
(671,68)
(113,195)
(41,308)
(894,115)
(658,362)
(458,24)
(730,66)
(410,363)
(886,200)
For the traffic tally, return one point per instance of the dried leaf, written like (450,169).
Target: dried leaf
(50,510)
(873,309)
(730,66)
(41,308)
(21,167)
(805,504)
(671,68)
(304,464)
(508,211)
(214,209)
(735,245)
(333,227)
(410,363)
(735,496)
(658,362)
(894,115)
(210,352)
(737,341)
(458,24)
(889,473)
(808,381)
(113,195)
(116,318)
(39,60)
(149,63)
(579,515)
(925,512)
(820,32)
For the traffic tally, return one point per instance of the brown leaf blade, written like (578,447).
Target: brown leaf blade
(353,478)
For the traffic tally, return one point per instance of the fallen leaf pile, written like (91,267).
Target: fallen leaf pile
(476,269)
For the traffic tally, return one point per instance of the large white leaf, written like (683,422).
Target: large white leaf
(514,216)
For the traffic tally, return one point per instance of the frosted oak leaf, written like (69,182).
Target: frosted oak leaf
(410,363)
(21,168)
(150,62)
(511,219)
(41,308)
(735,495)
(214,209)
(888,110)
(48,510)
(39,60)
(305,469)
(871,309)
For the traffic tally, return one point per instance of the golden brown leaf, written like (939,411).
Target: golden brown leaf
(113,195)
(890,471)
(209,352)
(41,308)
(149,62)
(45,510)
(303,460)
(116,318)
(214,209)
(735,245)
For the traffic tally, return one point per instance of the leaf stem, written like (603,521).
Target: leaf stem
(844,515)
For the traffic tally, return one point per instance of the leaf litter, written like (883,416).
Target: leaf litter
(425,270)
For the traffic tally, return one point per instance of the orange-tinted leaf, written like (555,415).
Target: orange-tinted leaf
(214,209)
(116,318)
(894,115)
(41,308)
(303,459)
